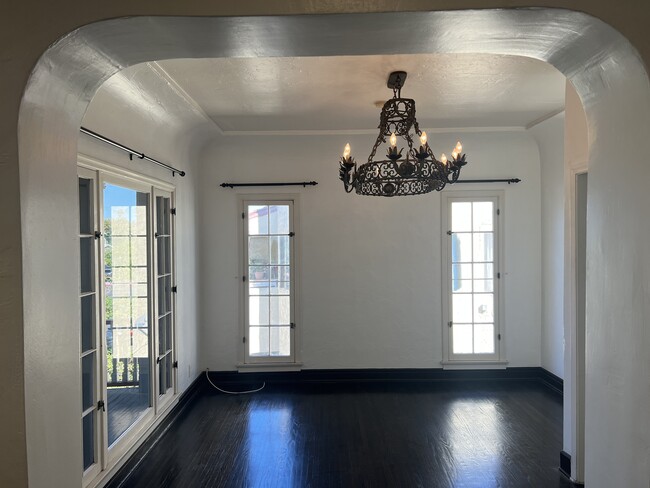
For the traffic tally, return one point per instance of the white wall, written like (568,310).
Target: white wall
(52,280)
(605,68)
(549,136)
(370,267)
(576,153)
(157,124)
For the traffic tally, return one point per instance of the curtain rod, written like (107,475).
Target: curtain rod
(130,151)
(314,183)
(295,183)
(495,180)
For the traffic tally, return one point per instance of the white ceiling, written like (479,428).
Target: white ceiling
(340,93)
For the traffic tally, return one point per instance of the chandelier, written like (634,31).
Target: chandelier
(416,173)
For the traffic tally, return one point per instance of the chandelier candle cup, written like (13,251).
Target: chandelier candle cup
(416,173)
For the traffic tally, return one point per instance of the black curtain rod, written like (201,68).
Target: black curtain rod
(503,180)
(295,183)
(130,151)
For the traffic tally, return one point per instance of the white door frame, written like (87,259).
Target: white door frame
(574,356)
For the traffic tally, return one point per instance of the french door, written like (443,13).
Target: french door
(164,307)
(127,311)
(89,333)
(471,225)
(127,269)
(269,281)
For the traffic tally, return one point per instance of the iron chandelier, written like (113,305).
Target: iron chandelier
(417,173)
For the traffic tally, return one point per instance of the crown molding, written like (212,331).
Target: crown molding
(544,118)
(356,132)
(173,84)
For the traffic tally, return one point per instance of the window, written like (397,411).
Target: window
(269,281)
(165,298)
(89,322)
(471,266)
(126,310)
(127,283)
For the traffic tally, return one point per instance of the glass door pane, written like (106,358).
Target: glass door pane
(126,282)
(269,267)
(88,321)
(164,283)
(472,264)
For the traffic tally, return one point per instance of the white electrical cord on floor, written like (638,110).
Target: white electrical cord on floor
(233,392)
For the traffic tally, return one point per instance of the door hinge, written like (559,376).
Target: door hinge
(173,211)
(450,323)
(499,336)
(243,215)
(101,405)
(498,211)
(98,234)
(448,232)
(243,339)
(498,276)
(174,289)
(291,234)
(175,365)
(292,325)
(243,278)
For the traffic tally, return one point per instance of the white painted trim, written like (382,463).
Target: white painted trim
(89,162)
(337,132)
(498,196)
(451,365)
(126,440)
(104,477)
(111,458)
(574,354)
(267,367)
(98,366)
(163,400)
(296,332)
(544,118)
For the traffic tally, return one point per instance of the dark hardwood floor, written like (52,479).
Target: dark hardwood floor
(419,434)
(124,406)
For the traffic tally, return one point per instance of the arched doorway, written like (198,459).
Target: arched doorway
(601,64)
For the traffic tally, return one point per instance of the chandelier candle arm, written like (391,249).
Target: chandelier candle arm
(346,165)
(418,173)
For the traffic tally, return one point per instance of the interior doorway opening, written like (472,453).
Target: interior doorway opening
(579,349)
(57,102)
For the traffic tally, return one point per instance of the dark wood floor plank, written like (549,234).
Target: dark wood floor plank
(428,434)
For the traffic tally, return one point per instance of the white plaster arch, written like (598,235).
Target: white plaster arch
(602,65)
